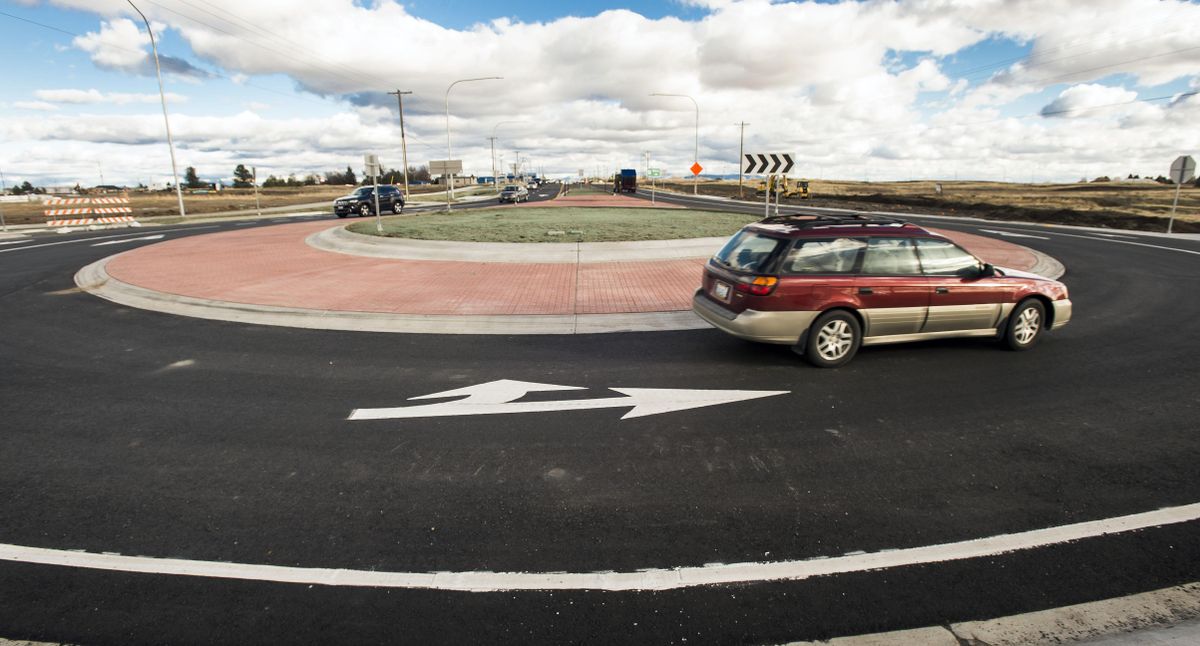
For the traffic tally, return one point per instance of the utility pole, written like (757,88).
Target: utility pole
(403,142)
(492,141)
(3,190)
(254,179)
(101,173)
(741,154)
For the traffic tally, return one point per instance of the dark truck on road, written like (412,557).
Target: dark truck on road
(625,181)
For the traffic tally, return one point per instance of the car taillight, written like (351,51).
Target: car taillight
(759,285)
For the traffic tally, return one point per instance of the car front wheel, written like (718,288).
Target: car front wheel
(833,339)
(1025,325)
(364,210)
(397,207)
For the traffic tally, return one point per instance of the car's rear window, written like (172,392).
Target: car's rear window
(748,251)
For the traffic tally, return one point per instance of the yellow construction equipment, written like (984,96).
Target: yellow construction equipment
(779,184)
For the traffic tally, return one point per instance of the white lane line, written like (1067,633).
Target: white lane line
(128,240)
(649,579)
(8,242)
(1013,234)
(1136,244)
(80,240)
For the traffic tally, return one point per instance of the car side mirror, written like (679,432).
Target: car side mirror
(987,270)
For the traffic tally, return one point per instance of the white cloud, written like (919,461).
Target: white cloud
(828,80)
(96,96)
(1076,101)
(121,45)
(35,105)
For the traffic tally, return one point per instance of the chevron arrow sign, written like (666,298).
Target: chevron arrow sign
(767,163)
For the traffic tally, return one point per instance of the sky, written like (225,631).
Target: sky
(1015,90)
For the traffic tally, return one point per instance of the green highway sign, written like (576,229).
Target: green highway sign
(653,172)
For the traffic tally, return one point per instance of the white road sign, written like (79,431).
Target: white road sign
(445,167)
(498,397)
(1183,169)
(371,165)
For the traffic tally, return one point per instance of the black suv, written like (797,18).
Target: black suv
(362,201)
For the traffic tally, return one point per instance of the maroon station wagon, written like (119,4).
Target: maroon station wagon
(828,284)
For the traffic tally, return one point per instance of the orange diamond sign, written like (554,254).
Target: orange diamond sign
(696,168)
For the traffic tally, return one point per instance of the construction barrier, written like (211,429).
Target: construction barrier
(87,206)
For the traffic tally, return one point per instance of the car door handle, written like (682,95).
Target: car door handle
(942,290)
(865,291)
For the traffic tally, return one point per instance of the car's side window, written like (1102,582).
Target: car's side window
(838,256)
(891,257)
(944,258)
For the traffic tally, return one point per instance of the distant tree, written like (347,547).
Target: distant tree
(1162,179)
(418,173)
(25,188)
(1102,178)
(350,178)
(312,179)
(191,179)
(242,177)
(271,182)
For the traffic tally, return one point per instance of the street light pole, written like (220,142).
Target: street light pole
(403,142)
(741,155)
(450,176)
(696,156)
(495,179)
(163,95)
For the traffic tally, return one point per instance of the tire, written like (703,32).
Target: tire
(341,215)
(1025,325)
(833,339)
(397,207)
(364,210)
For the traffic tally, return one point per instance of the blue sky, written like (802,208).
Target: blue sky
(891,87)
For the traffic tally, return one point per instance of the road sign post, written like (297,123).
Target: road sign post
(773,165)
(1183,170)
(447,168)
(371,164)
(653,174)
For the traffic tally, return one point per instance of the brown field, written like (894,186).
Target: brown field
(1104,204)
(164,204)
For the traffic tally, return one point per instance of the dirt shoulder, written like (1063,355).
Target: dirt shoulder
(1116,205)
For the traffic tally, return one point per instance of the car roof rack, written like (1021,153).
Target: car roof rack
(814,220)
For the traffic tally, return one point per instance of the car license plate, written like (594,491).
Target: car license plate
(721,291)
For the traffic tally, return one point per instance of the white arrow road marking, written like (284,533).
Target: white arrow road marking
(646,579)
(1010,234)
(497,398)
(155,237)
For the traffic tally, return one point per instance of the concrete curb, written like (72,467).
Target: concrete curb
(1046,265)
(1123,620)
(341,240)
(95,280)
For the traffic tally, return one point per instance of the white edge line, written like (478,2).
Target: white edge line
(93,239)
(648,579)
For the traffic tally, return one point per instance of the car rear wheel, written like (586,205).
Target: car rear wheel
(1025,325)
(397,207)
(833,339)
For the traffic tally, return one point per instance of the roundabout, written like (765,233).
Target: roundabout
(207,477)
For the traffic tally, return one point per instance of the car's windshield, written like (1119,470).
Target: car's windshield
(363,192)
(748,251)
(511,188)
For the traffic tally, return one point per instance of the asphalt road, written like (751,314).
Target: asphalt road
(138,433)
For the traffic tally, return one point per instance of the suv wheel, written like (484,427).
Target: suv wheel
(833,339)
(397,207)
(1025,325)
(364,210)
